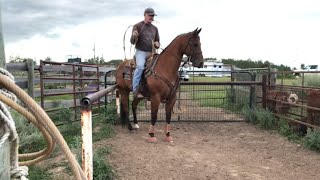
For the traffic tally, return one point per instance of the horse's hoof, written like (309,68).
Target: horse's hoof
(135,126)
(168,139)
(152,140)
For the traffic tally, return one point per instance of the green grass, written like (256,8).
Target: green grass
(102,169)
(309,80)
(31,139)
(287,81)
(209,79)
(37,173)
(199,88)
(55,98)
(210,99)
(105,130)
(220,97)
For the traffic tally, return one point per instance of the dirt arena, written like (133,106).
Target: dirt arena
(210,151)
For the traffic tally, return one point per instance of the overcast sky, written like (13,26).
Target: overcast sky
(280,31)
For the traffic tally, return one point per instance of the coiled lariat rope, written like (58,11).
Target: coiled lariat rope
(10,132)
(124,42)
(8,95)
(38,156)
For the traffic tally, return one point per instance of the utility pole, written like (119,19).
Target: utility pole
(2,54)
(94,52)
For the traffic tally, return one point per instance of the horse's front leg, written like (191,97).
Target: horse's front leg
(155,101)
(169,107)
(135,103)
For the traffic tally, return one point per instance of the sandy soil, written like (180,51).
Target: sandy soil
(235,150)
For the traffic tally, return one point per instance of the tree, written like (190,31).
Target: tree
(302,66)
(114,62)
(18,59)
(48,59)
(96,60)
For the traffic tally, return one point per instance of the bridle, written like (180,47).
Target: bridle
(191,46)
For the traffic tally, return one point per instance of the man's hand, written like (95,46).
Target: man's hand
(135,33)
(135,36)
(156,44)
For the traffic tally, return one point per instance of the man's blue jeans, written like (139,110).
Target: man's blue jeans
(140,61)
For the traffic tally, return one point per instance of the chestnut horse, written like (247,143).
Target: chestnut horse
(161,80)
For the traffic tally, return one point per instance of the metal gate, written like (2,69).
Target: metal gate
(207,102)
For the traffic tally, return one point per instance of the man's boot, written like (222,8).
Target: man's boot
(138,95)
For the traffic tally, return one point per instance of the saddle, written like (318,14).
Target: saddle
(130,66)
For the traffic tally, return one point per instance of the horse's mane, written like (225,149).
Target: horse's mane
(183,34)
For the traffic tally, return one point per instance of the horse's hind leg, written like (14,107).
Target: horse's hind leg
(135,103)
(125,109)
(169,107)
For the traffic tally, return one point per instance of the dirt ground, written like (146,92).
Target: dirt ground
(235,150)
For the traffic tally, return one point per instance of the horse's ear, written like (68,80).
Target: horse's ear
(195,32)
(199,30)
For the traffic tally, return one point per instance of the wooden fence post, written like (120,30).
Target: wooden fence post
(264,91)
(30,65)
(5,148)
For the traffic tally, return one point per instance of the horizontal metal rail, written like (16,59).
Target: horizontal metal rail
(70,78)
(240,83)
(91,98)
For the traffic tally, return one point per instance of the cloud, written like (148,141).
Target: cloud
(278,31)
(24,19)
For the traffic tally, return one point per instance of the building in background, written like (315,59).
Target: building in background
(212,68)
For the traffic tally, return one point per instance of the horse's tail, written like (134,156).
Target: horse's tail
(124,103)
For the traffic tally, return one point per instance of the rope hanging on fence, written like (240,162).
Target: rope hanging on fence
(10,133)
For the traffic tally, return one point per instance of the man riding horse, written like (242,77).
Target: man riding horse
(161,80)
(146,37)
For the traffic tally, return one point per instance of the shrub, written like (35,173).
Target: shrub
(285,130)
(249,115)
(312,139)
(263,118)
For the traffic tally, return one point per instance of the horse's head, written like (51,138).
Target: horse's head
(193,48)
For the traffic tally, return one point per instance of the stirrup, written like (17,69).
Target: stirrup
(138,95)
